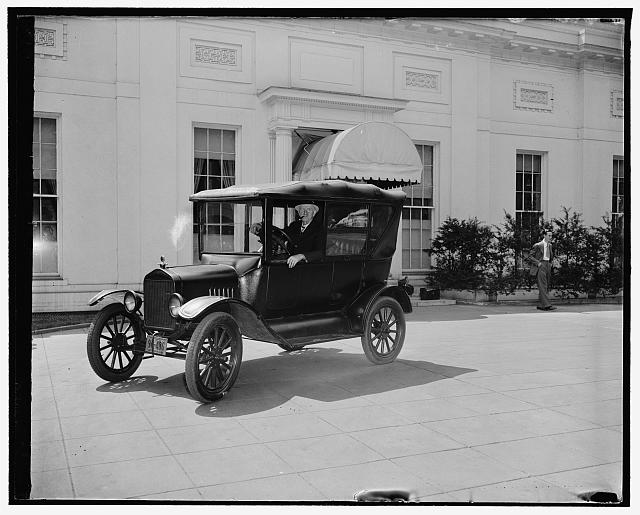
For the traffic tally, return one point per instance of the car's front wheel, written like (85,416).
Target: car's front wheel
(384,331)
(111,343)
(213,358)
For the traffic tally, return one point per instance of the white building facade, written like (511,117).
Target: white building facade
(132,115)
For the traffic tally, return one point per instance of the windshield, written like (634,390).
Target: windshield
(224,227)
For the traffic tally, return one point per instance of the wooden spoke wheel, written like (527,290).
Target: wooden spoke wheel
(213,358)
(384,331)
(111,343)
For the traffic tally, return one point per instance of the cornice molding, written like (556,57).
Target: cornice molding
(274,94)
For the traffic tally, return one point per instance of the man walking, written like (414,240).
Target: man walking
(540,260)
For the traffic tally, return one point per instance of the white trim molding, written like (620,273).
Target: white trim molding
(288,107)
(532,96)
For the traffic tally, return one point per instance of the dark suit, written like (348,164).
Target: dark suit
(542,270)
(308,242)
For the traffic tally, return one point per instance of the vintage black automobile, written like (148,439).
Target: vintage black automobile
(243,285)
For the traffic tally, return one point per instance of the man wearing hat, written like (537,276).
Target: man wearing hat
(305,234)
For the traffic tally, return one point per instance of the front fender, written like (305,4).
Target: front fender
(105,293)
(249,321)
(199,306)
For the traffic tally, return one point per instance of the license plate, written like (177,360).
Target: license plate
(156,345)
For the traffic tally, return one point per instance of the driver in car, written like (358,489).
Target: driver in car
(305,235)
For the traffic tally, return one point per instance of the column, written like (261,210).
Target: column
(272,156)
(283,157)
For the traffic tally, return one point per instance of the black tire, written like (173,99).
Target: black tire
(111,343)
(213,358)
(384,331)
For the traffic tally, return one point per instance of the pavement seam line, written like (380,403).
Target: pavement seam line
(55,402)
(177,462)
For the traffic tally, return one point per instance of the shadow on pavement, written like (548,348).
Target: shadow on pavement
(314,374)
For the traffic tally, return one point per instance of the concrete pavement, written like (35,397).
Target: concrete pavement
(484,404)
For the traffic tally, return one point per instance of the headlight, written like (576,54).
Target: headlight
(132,301)
(175,302)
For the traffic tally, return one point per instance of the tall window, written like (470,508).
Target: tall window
(528,190)
(417,217)
(45,197)
(214,167)
(617,195)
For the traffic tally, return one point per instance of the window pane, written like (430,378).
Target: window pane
(347,229)
(200,163)
(199,183)
(200,140)
(36,130)
(536,201)
(49,212)
(536,183)
(214,167)
(48,157)
(527,162)
(215,183)
(620,186)
(36,156)
(48,186)
(215,140)
(229,141)
(519,201)
(620,205)
(528,182)
(428,155)
(537,163)
(527,202)
(519,182)
(213,213)
(48,130)
(36,210)
(228,173)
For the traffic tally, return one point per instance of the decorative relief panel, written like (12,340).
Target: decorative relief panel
(617,103)
(215,55)
(207,52)
(532,96)
(422,78)
(49,39)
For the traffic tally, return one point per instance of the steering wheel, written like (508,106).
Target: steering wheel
(282,239)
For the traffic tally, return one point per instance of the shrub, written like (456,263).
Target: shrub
(472,256)
(461,250)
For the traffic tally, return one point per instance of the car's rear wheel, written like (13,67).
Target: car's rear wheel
(384,331)
(111,343)
(213,358)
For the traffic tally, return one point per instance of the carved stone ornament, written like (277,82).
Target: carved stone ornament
(422,80)
(532,96)
(617,103)
(50,39)
(215,55)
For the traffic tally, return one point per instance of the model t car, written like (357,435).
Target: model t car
(254,279)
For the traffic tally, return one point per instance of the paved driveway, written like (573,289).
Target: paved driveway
(484,404)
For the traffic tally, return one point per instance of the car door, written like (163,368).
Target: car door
(347,229)
(303,289)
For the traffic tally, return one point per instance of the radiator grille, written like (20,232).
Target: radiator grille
(156,299)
